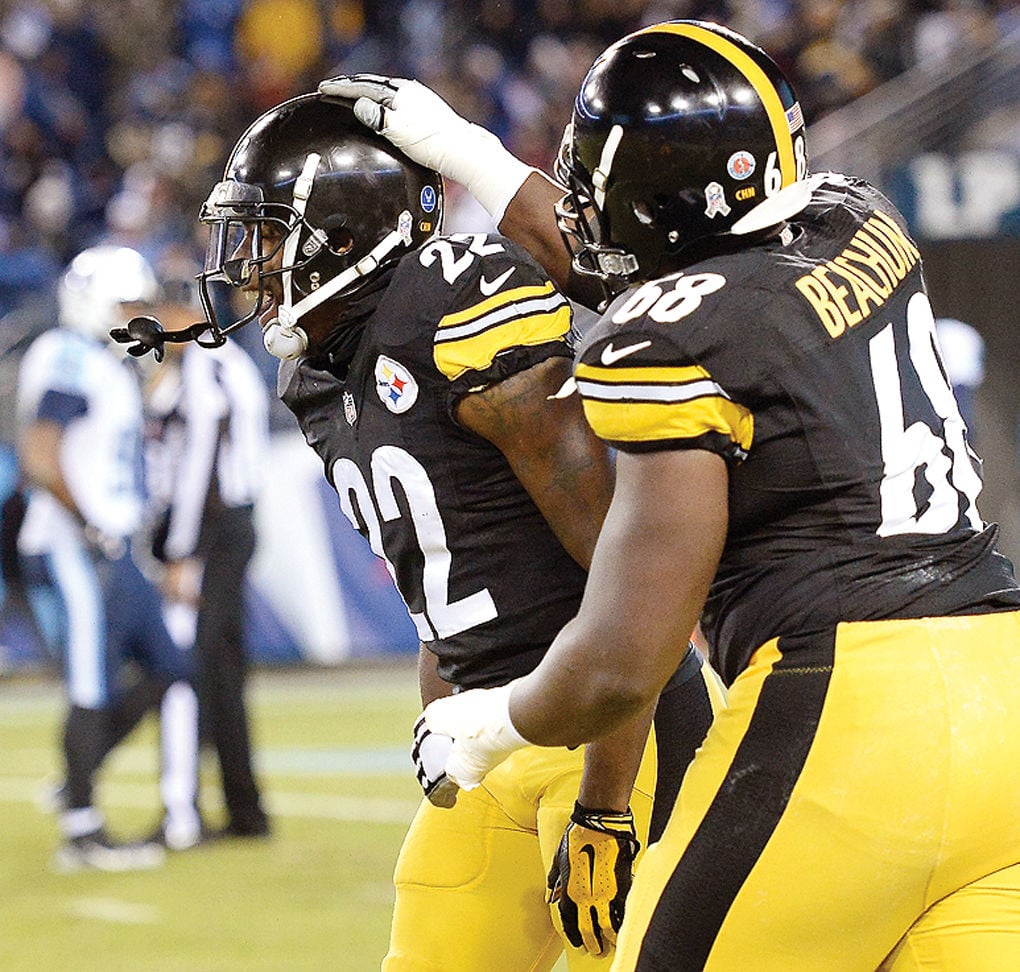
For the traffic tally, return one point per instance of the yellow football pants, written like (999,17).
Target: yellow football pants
(471,880)
(855,807)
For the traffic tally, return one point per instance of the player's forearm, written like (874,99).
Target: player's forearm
(530,220)
(39,449)
(611,764)
(653,566)
(574,697)
(430,685)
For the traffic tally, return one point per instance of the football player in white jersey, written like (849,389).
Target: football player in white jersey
(79,440)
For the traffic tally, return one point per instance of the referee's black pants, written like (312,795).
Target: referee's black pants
(228,542)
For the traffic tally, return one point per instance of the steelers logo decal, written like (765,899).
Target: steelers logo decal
(398,391)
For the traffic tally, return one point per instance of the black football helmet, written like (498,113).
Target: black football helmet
(308,181)
(683,134)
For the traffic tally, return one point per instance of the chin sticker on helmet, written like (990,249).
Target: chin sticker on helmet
(741,165)
(398,391)
(715,197)
(428,198)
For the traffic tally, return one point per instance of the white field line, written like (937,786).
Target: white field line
(144,760)
(114,911)
(320,806)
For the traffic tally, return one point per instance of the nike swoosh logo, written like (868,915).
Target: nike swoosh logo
(610,355)
(489,287)
(586,850)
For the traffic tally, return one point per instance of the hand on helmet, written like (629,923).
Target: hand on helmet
(426,129)
(411,116)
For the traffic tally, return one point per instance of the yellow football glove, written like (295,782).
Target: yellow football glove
(591,875)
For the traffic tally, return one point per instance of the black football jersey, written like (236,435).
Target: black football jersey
(810,364)
(484,578)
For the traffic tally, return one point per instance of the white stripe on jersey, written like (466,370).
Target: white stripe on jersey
(508,312)
(681,392)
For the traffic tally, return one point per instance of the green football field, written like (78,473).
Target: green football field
(332,752)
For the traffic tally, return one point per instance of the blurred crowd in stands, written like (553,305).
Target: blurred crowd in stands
(116,115)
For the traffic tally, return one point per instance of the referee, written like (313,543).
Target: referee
(209,412)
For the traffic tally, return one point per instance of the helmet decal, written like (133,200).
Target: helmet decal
(758,79)
(741,165)
(715,196)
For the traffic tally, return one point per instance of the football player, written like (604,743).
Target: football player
(794,471)
(425,371)
(79,445)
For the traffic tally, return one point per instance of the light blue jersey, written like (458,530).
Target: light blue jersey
(82,385)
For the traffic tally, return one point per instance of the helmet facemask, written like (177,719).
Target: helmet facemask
(236,251)
(582,225)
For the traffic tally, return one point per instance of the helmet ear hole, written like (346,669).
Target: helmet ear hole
(339,238)
(643,212)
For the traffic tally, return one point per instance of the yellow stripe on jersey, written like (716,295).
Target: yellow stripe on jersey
(649,404)
(758,79)
(470,339)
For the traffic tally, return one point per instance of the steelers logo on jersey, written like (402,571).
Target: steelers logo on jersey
(397,389)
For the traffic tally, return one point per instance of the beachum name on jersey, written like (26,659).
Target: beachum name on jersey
(879,256)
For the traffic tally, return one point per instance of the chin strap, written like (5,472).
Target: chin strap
(283,331)
(281,336)
(148,335)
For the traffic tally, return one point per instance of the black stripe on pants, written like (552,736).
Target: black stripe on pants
(745,811)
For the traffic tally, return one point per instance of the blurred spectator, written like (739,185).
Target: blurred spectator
(277,42)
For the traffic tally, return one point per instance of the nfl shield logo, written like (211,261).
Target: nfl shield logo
(350,409)
(397,390)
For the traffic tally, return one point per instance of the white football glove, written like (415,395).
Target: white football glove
(428,131)
(483,735)
(429,754)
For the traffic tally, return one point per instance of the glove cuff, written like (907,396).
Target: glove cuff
(508,731)
(614,822)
